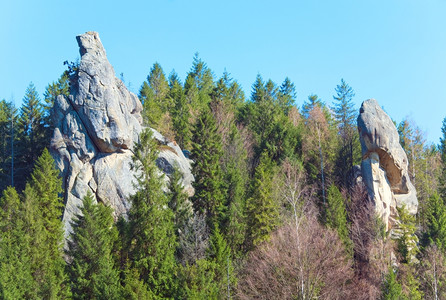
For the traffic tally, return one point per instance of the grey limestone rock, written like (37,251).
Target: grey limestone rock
(384,163)
(95,131)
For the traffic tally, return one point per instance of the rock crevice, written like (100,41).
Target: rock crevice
(96,127)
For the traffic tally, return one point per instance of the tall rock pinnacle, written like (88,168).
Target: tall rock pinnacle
(95,129)
(384,163)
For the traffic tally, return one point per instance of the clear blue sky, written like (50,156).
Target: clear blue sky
(390,50)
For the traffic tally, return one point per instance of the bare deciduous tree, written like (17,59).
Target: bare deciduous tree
(316,266)
(194,239)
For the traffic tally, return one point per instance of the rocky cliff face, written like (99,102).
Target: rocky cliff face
(95,130)
(384,163)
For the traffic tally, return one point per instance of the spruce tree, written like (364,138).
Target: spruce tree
(336,215)
(179,202)
(220,256)
(43,209)
(262,210)
(392,289)
(442,148)
(91,268)
(31,132)
(206,154)
(436,223)
(180,112)
(345,115)
(16,280)
(153,243)
(8,136)
(154,96)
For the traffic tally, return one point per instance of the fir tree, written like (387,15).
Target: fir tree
(206,153)
(153,243)
(262,210)
(92,271)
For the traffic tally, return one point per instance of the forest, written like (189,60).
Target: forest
(277,212)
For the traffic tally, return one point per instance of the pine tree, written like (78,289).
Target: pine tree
(336,215)
(262,210)
(153,243)
(206,153)
(92,271)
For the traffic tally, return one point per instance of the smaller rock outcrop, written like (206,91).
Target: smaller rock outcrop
(96,128)
(384,163)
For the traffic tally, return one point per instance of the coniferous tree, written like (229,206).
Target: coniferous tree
(180,112)
(153,244)
(179,202)
(91,268)
(262,210)
(392,289)
(345,115)
(206,153)
(31,134)
(8,136)
(442,148)
(336,215)
(43,208)
(220,256)
(16,280)
(154,96)
(436,223)
(287,95)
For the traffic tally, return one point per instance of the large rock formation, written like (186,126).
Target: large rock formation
(384,163)
(95,130)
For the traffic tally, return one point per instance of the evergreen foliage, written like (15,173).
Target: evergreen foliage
(206,154)
(336,215)
(31,131)
(91,268)
(262,209)
(8,137)
(392,289)
(153,243)
(436,222)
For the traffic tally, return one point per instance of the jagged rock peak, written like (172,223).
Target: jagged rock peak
(95,128)
(384,163)
(111,114)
